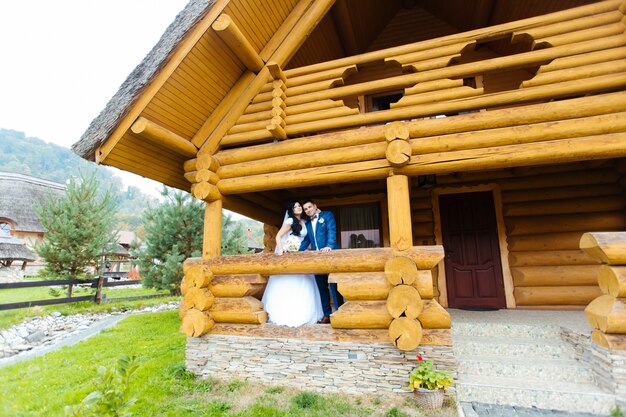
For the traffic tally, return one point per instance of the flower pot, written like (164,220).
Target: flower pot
(429,399)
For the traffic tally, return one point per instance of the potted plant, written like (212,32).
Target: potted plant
(428,384)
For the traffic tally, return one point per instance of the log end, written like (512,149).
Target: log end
(609,341)
(401,270)
(196,323)
(405,333)
(590,244)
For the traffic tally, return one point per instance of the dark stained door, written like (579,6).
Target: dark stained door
(470,240)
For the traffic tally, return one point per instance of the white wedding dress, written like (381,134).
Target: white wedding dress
(292,300)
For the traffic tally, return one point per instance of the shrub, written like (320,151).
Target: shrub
(110,395)
(305,400)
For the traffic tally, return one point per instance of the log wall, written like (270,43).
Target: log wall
(546,210)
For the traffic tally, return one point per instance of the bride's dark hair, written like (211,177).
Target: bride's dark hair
(296,227)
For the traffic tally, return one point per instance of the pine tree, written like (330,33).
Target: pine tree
(234,239)
(79,227)
(174,232)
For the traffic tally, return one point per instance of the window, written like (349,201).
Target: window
(5,229)
(359,226)
(383,101)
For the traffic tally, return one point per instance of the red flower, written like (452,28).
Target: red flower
(419,358)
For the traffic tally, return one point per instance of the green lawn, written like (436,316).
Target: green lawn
(16,295)
(43,386)
(11,317)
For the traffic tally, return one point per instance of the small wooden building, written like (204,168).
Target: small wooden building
(19,194)
(492,131)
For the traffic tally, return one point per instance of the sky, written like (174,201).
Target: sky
(62,60)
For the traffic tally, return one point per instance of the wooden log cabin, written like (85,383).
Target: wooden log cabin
(489,131)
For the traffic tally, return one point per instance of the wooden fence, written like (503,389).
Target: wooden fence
(98,297)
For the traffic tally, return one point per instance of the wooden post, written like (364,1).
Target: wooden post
(101,281)
(400,230)
(212,242)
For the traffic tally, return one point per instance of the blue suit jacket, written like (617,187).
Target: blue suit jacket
(325,233)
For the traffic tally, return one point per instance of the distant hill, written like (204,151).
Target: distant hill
(35,157)
(41,159)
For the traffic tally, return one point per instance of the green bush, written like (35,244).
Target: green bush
(305,400)
(395,412)
(110,396)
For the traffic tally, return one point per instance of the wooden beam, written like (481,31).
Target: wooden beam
(212,242)
(559,151)
(399,207)
(437,337)
(341,260)
(223,108)
(593,84)
(422,129)
(228,31)
(561,295)
(301,31)
(343,24)
(492,32)
(607,247)
(177,56)
(163,137)
(288,47)
(238,205)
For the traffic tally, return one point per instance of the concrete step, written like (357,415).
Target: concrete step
(490,330)
(511,347)
(557,370)
(549,395)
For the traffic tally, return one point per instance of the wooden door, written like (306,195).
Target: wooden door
(470,240)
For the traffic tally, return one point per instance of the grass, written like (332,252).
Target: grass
(44,385)
(14,295)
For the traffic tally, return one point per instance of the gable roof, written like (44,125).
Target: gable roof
(18,196)
(190,81)
(102,126)
(178,86)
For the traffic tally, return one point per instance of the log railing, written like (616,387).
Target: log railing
(578,51)
(607,313)
(384,288)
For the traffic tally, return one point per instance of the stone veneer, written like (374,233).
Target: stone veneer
(608,366)
(351,367)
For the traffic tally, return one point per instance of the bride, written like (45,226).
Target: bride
(292,300)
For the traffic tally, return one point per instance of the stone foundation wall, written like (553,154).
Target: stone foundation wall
(349,367)
(608,366)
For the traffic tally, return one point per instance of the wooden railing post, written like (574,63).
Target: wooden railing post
(100,283)
(212,241)
(400,228)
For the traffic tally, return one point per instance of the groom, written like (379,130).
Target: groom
(322,236)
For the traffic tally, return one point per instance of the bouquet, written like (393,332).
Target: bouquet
(291,244)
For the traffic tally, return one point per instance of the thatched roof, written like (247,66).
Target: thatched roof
(12,249)
(18,196)
(102,126)
(116,250)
